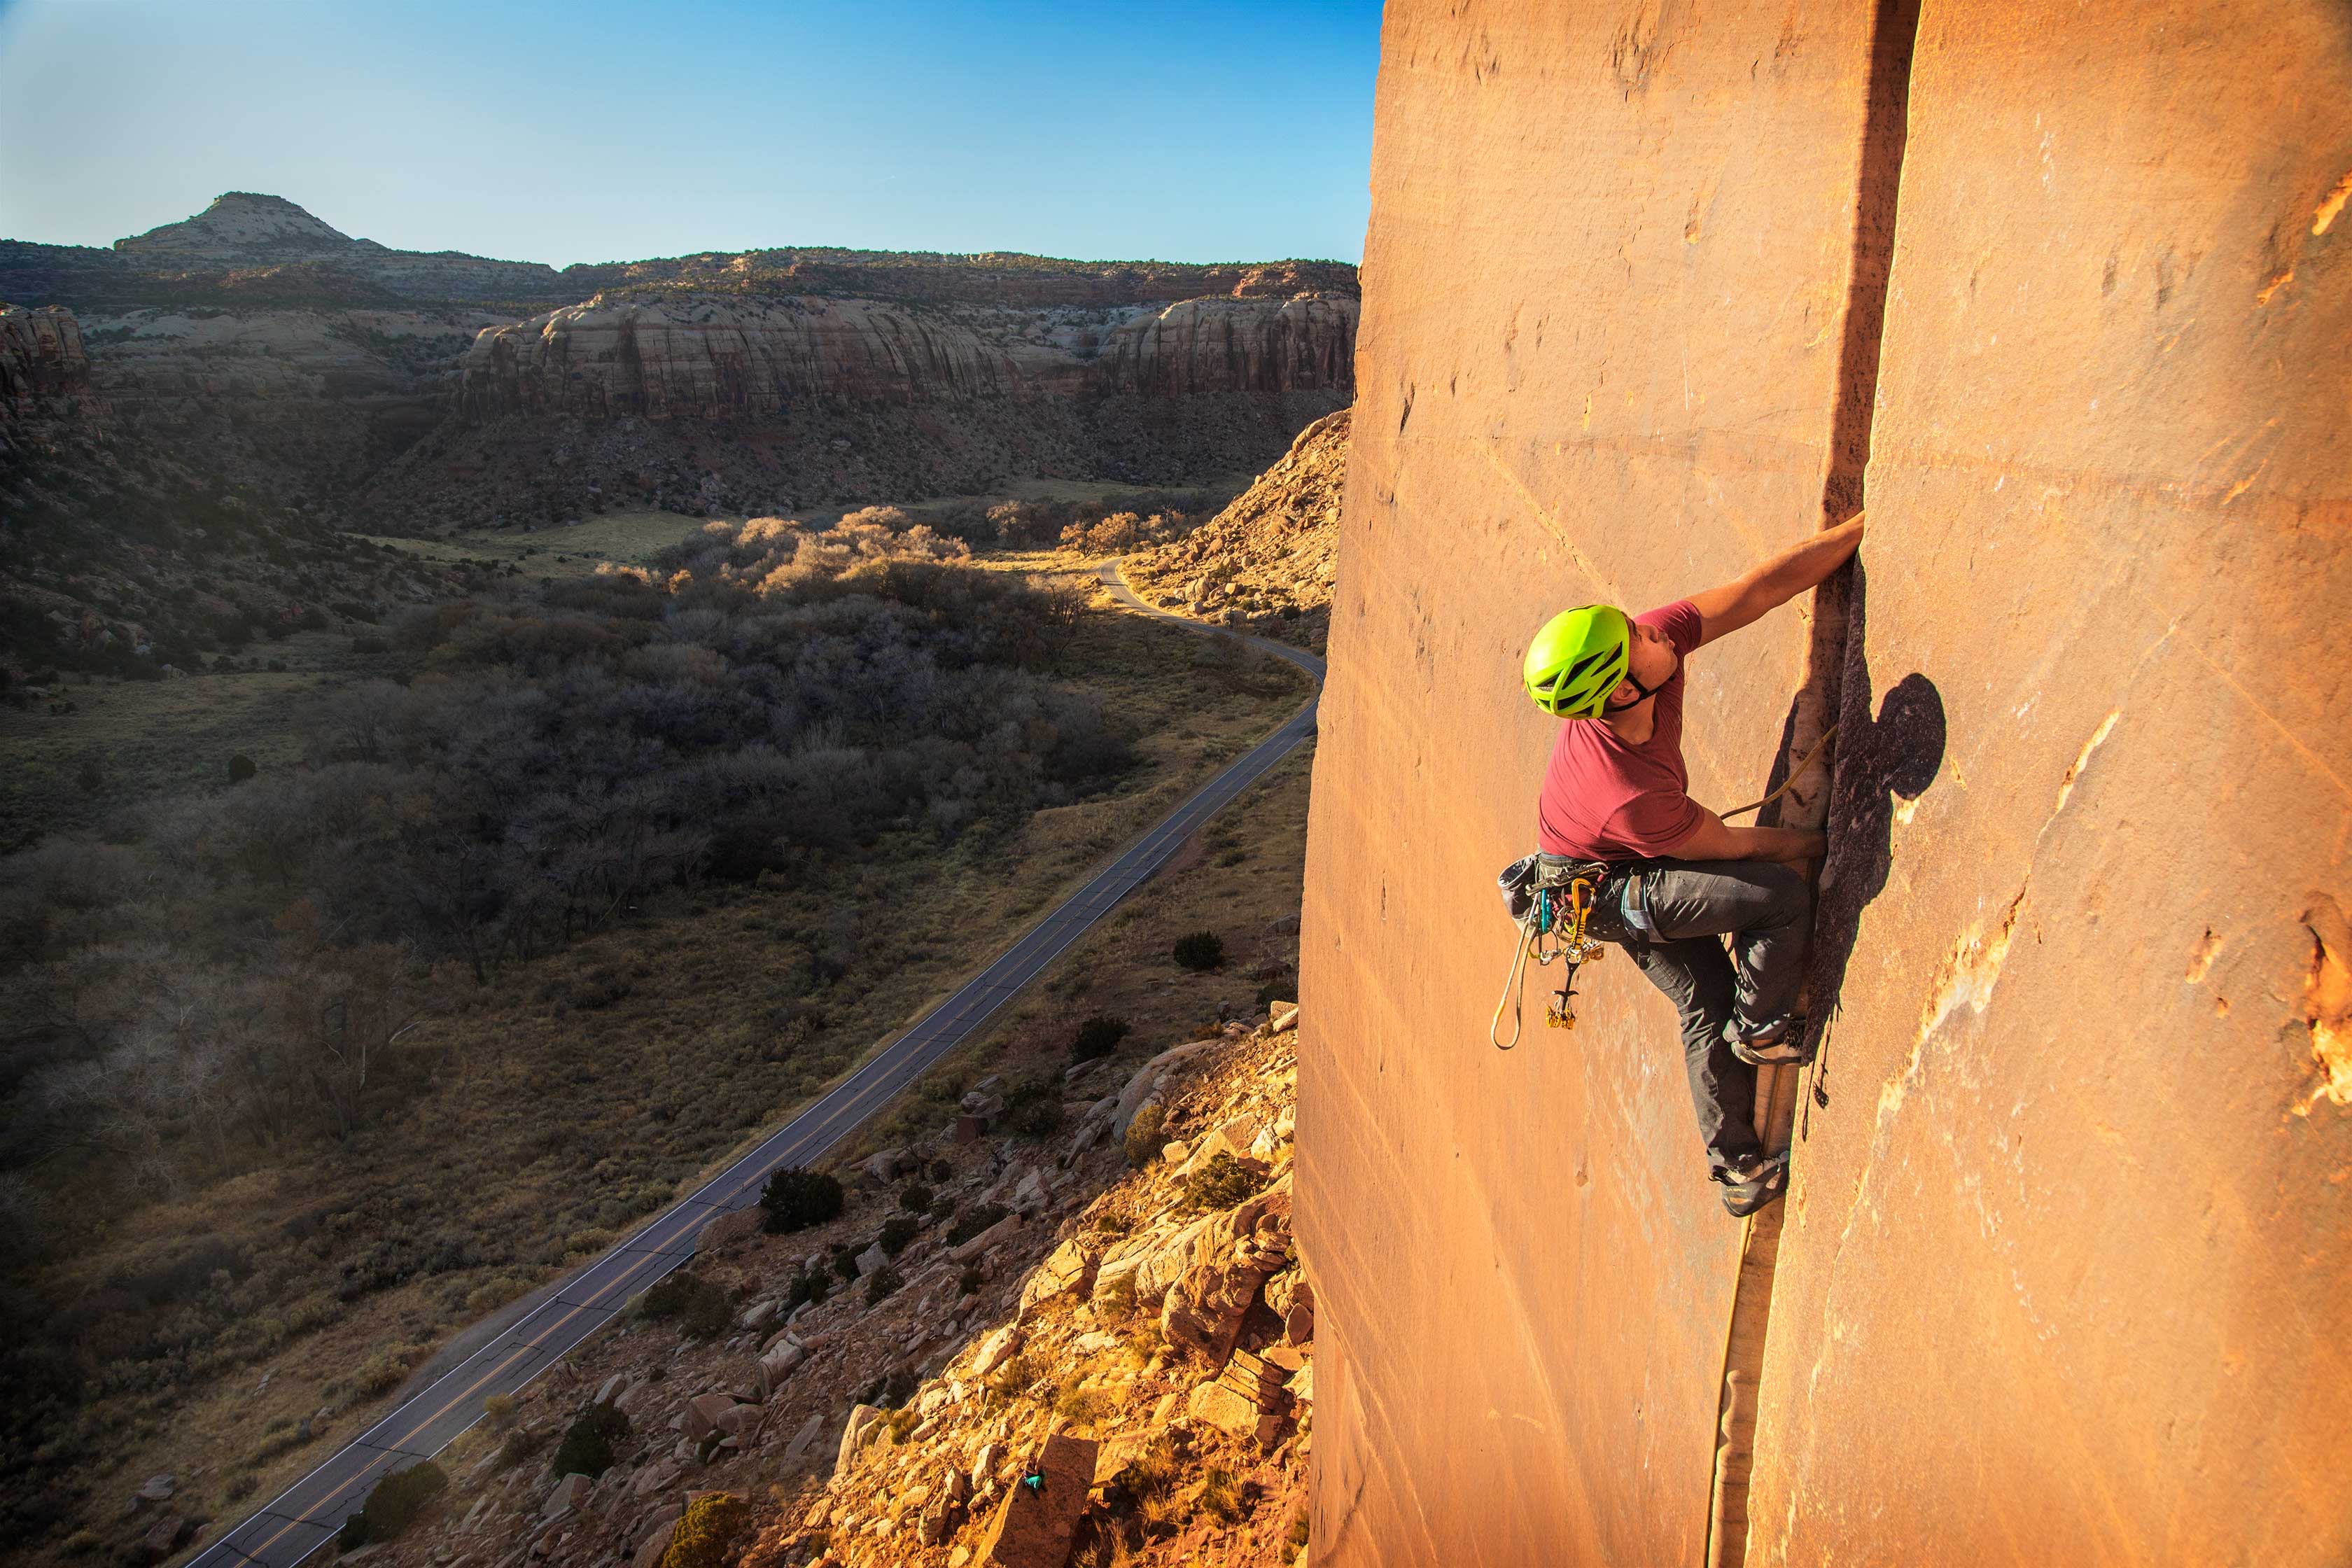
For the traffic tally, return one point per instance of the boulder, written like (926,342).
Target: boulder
(656,1545)
(1002,1231)
(157,1488)
(1231,1137)
(1068,1270)
(863,1419)
(1204,1311)
(1037,1522)
(1113,1296)
(729,1229)
(571,1494)
(1282,1017)
(872,1259)
(995,1351)
(657,1477)
(1147,1081)
(885,1165)
(167,1535)
(776,1366)
(701,1417)
(1170,1262)
(803,1441)
(743,1422)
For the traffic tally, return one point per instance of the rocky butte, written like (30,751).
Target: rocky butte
(2065,298)
(404,389)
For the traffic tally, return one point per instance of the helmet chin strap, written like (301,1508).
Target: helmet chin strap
(1647,693)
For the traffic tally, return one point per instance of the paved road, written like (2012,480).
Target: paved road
(309,1514)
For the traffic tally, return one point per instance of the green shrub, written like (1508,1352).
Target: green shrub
(1220,1184)
(813,1286)
(1097,1036)
(1032,1107)
(1221,1495)
(969,1283)
(1200,950)
(941,1171)
(381,1371)
(796,1199)
(915,1199)
(701,1308)
(1143,1135)
(587,1447)
(897,1232)
(498,1410)
(1273,991)
(899,1386)
(1014,1375)
(844,1263)
(973,1221)
(519,1445)
(707,1536)
(241,768)
(880,1284)
(396,1499)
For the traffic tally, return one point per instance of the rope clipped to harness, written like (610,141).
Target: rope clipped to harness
(1551,905)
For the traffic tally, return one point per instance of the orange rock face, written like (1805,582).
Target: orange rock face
(2067,1233)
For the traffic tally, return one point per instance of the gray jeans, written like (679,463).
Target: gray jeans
(1766,910)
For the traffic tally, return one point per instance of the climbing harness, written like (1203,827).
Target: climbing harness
(1791,783)
(1550,898)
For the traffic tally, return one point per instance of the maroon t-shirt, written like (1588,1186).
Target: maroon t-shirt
(1604,800)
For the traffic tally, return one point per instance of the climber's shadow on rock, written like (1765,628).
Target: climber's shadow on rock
(1893,758)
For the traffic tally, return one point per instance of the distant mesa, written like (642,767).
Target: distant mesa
(410,389)
(242,225)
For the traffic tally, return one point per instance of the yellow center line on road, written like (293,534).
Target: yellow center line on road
(470,1390)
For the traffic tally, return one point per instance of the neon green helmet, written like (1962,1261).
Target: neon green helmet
(1577,661)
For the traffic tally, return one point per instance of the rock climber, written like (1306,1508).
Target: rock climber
(1680,880)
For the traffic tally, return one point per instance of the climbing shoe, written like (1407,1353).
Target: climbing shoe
(1780,1044)
(1751,1185)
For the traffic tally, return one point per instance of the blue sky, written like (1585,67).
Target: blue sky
(598,132)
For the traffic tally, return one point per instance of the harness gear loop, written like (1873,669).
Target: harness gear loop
(1552,930)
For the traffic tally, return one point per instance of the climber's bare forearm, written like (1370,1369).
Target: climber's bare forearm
(1772,583)
(1714,841)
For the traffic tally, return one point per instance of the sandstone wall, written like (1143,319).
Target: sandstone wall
(2060,1274)
(2070,1238)
(42,361)
(729,355)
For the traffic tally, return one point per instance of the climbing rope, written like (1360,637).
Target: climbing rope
(1794,775)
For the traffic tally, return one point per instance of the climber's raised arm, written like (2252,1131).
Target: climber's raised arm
(1773,583)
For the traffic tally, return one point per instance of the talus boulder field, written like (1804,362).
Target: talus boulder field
(1653,294)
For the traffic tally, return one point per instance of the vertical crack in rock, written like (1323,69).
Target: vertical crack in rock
(1877,188)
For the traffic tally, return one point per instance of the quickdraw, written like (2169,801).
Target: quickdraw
(1550,905)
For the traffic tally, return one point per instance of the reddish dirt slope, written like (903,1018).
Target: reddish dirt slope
(1267,560)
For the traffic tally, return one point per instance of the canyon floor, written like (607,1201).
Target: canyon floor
(595,1032)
